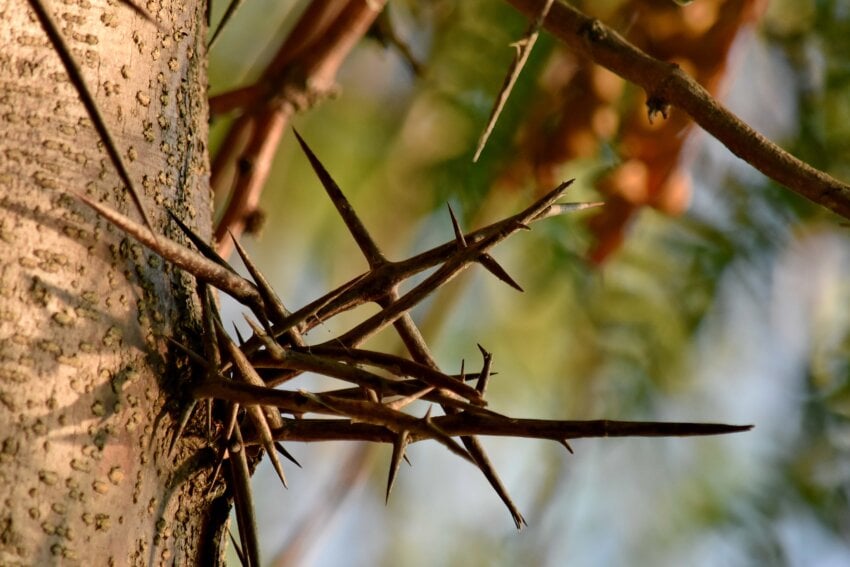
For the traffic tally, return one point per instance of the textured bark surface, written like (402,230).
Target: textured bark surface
(86,382)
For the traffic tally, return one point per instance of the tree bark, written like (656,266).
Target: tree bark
(88,388)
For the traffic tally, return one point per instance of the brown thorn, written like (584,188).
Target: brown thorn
(563,208)
(199,243)
(282,450)
(274,308)
(272,347)
(484,375)
(243,500)
(187,259)
(473,445)
(181,425)
(260,415)
(399,444)
(358,231)
(237,548)
(461,240)
(491,265)
(225,19)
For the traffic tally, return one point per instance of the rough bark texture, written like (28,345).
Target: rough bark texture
(87,385)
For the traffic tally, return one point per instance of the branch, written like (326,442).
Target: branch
(666,84)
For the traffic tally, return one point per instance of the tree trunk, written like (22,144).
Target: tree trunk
(88,388)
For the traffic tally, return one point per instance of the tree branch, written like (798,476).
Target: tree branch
(666,84)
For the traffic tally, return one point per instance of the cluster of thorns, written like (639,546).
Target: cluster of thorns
(377,386)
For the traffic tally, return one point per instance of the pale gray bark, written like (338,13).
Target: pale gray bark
(86,378)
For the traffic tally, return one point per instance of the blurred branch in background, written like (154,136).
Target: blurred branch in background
(667,84)
(302,73)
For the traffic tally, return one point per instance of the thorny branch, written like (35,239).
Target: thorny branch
(369,406)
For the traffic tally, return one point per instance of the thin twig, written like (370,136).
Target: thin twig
(523,50)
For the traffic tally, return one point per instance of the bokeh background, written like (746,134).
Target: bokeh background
(706,293)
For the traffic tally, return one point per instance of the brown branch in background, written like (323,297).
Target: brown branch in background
(523,50)
(667,85)
(302,73)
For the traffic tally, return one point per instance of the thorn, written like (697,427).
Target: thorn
(256,412)
(239,337)
(244,500)
(484,376)
(567,445)
(399,444)
(461,240)
(144,14)
(407,400)
(564,208)
(75,75)
(271,301)
(181,425)
(237,548)
(199,243)
(361,236)
(272,347)
(492,266)
(217,470)
(523,47)
(483,461)
(225,19)
(282,450)
(193,262)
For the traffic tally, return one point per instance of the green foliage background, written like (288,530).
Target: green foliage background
(737,311)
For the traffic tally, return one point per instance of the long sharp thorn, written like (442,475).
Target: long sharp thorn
(141,12)
(484,375)
(181,425)
(239,338)
(275,350)
(445,439)
(191,261)
(210,340)
(257,413)
(199,243)
(76,77)
(399,445)
(237,548)
(483,461)
(492,266)
(361,236)
(271,301)
(217,470)
(262,426)
(567,446)
(282,450)
(244,500)
(225,19)
(459,237)
(564,208)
